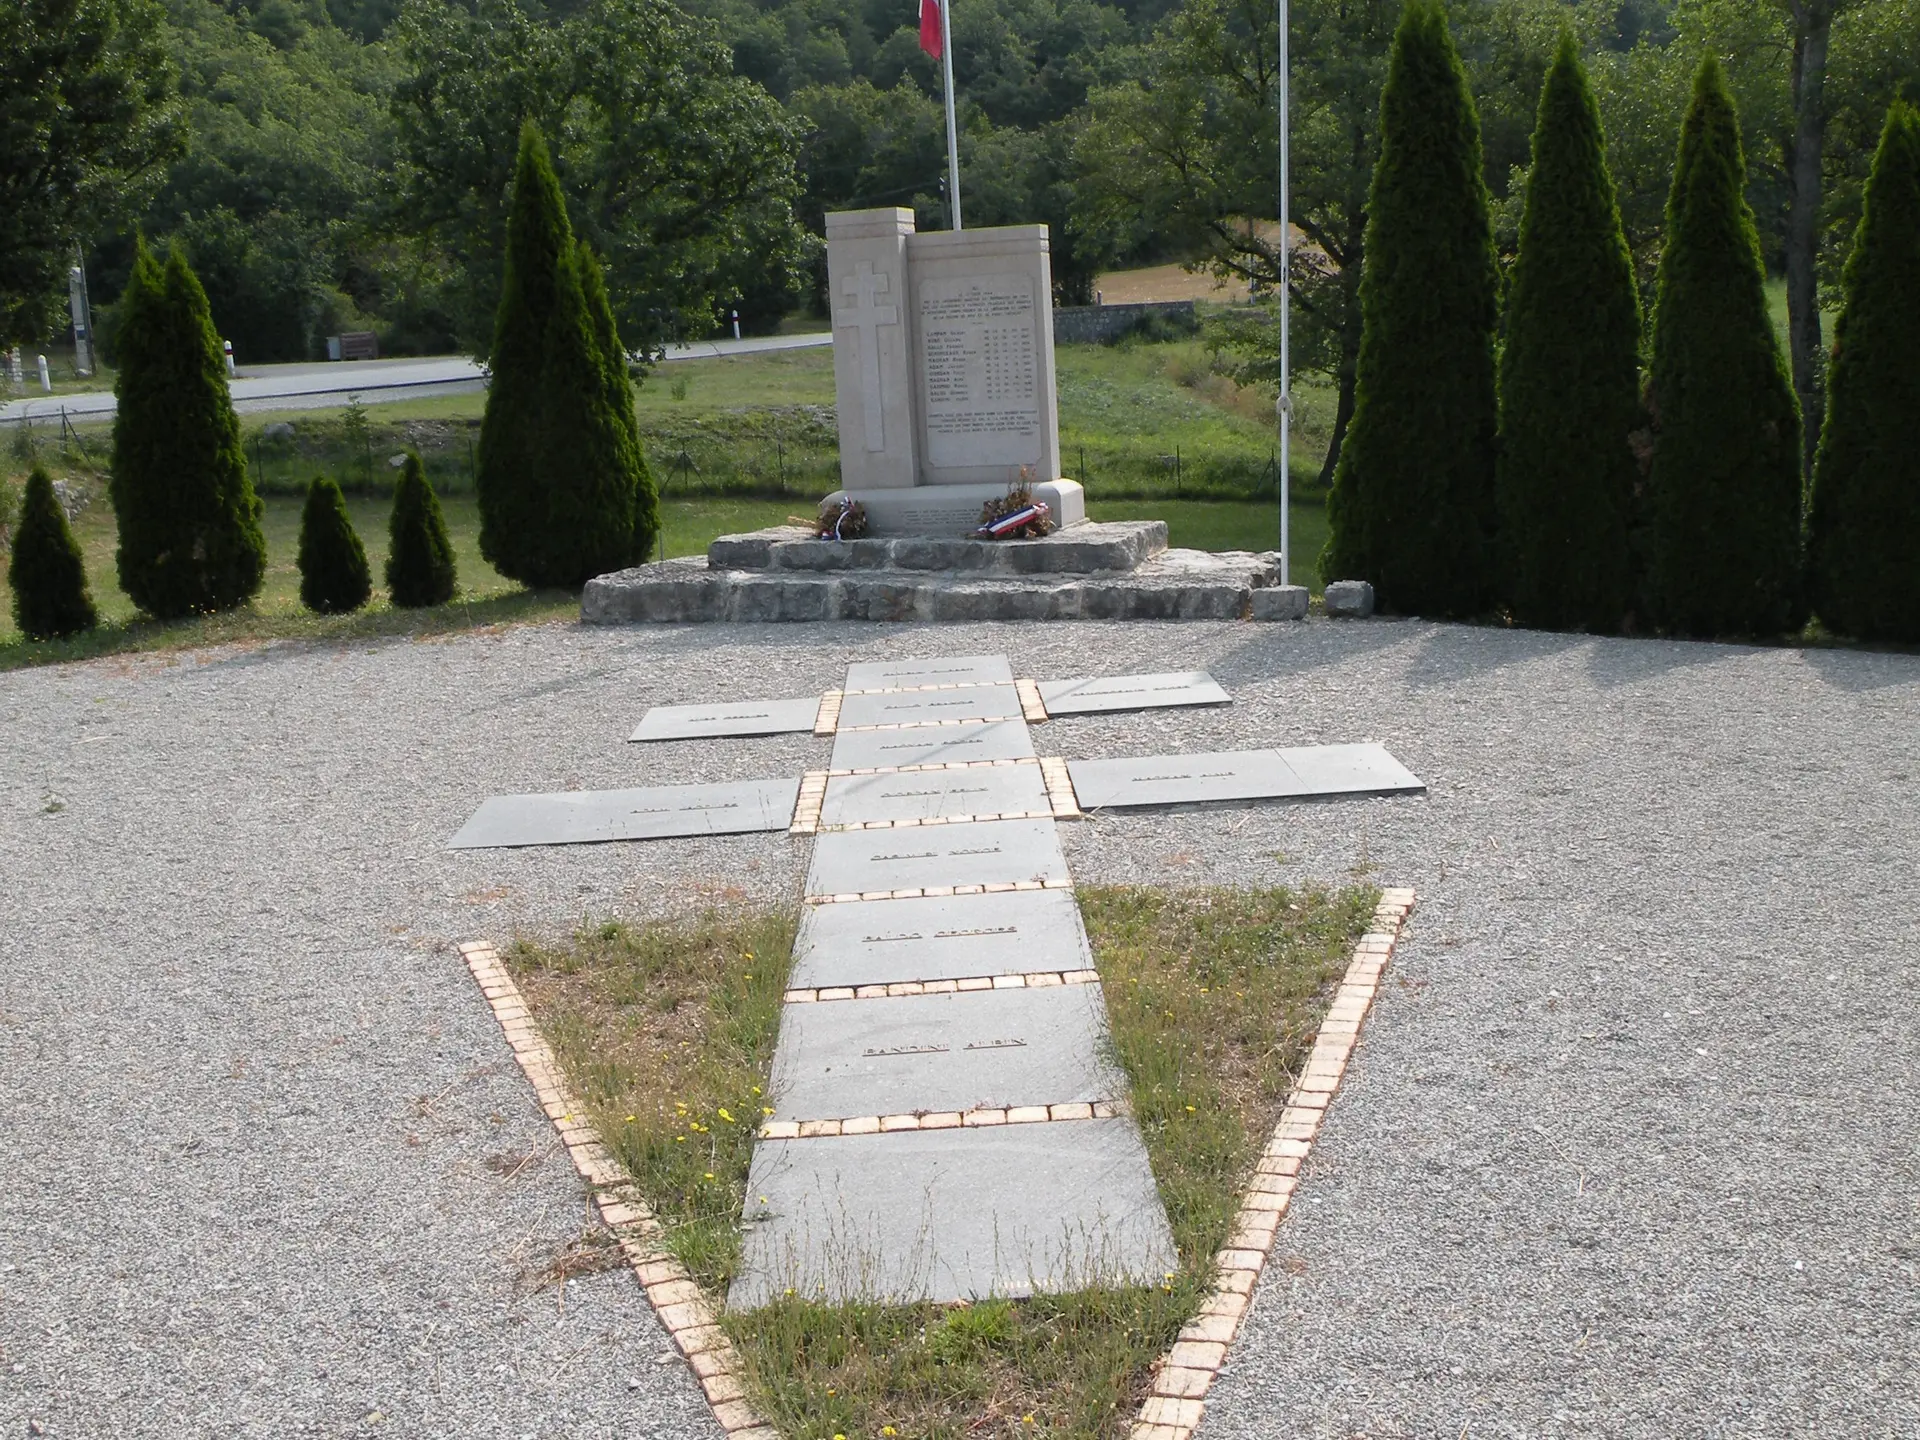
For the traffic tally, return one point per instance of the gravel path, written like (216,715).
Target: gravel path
(1629,1148)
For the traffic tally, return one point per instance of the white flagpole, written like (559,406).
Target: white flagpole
(953,133)
(1285,404)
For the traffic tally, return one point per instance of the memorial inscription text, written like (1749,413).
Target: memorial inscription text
(980,361)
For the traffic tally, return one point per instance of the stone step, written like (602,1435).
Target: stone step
(1078,550)
(1172,585)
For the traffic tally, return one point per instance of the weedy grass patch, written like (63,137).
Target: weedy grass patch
(1214,996)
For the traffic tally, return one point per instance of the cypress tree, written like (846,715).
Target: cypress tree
(1412,506)
(190,538)
(48,577)
(1569,377)
(556,476)
(1865,539)
(1722,510)
(420,569)
(613,359)
(333,564)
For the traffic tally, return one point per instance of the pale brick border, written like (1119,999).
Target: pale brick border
(1022,980)
(1059,783)
(1032,707)
(1184,1375)
(679,1303)
(826,719)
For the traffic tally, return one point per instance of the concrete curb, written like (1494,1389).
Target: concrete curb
(1178,1400)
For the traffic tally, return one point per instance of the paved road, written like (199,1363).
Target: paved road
(1629,1148)
(326,385)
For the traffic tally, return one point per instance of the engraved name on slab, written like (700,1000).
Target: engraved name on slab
(979,357)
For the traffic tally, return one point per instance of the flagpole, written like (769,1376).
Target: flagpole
(1285,403)
(953,133)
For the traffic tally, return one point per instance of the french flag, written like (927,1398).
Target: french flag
(930,29)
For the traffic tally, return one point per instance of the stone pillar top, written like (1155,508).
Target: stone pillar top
(878,224)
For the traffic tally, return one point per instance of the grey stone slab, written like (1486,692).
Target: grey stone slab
(977,1049)
(947,937)
(1279,602)
(581,817)
(930,707)
(952,1214)
(1132,692)
(935,794)
(1172,585)
(1349,599)
(1080,549)
(1240,775)
(748,717)
(995,852)
(932,745)
(951,670)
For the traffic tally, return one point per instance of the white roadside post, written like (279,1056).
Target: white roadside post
(1284,405)
(46,380)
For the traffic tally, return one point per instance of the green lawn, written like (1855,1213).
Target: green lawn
(735,444)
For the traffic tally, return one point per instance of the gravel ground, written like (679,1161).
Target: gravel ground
(1629,1148)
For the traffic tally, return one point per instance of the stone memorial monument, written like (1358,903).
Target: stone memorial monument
(943,371)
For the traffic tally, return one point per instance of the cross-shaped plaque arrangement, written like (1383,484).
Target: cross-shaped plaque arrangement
(948,1122)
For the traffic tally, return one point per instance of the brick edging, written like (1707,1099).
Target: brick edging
(1184,1375)
(678,1302)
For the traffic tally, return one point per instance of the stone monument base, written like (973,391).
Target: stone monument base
(955,509)
(1093,571)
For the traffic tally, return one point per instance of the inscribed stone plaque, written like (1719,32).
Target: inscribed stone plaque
(951,670)
(980,370)
(935,794)
(932,745)
(975,1050)
(1131,692)
(1240,775)
(948,1215)
(996,852)
(582,817)
(750,717)
(930,707)
(947,937)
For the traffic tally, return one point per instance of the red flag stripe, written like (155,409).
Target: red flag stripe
(930,36)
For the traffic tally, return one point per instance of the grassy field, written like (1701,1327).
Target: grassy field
(1214,996)
(734,444)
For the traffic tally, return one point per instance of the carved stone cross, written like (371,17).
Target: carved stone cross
(867,316)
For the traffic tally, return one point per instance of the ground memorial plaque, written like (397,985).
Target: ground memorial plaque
(947,1123)
(1131,692)
(943,371)
(942,938)
(1241,775)
(584,817)
(1013,790)
(750,717)
(944,1053)
(932,745)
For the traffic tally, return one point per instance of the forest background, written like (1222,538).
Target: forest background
(333,165)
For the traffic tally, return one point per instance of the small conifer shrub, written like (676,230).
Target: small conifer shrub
(48,577)
(613,359)
(1864,545)
(558,470)
(1569,377)
(420,567)
(190,538)
(1412,507)
(1722,503)
(334,578)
